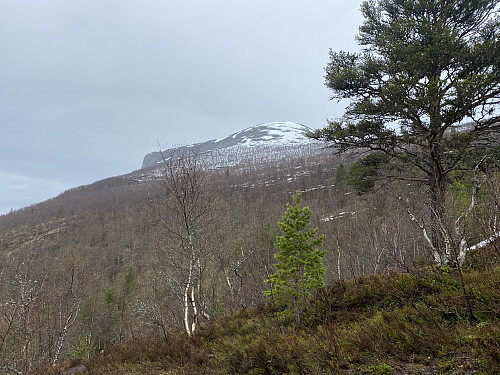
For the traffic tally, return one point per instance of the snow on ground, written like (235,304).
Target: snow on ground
(269,145)
(273,134)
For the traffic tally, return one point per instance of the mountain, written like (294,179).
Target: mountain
(102,263)
(275,134)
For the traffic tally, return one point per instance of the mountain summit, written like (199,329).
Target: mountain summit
(269,134)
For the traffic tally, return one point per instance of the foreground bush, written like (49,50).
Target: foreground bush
(413,323)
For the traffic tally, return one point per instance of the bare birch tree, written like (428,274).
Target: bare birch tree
(186,219)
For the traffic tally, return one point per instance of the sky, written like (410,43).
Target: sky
(88,87)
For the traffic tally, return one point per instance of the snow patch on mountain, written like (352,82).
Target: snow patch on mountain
(268,136)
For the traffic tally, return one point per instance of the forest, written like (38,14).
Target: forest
(105,263)
(176,269)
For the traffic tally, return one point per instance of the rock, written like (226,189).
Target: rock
(74,370)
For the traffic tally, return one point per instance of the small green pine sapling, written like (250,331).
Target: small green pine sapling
(300,270)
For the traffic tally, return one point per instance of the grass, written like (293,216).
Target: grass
(396,323)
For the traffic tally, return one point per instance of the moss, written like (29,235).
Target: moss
(412,323)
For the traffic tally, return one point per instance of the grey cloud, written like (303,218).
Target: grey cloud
(17,191)
(89,87)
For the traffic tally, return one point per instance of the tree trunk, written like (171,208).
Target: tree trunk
(297,310)
(437,186)
(195,311)
(338,260)
(187,324)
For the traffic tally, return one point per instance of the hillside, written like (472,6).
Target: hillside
(274,136)
(101,265)
(398,323)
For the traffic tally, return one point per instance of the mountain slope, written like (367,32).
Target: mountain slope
(396,323)
(263,135)
(79,251)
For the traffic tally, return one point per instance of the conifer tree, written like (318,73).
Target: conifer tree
(300,270)
(424,94)
(341,173)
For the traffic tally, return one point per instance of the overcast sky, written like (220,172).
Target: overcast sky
(88,87)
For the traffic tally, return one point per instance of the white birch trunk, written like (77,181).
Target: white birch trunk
(195,311)
(338,260)
(186,298)
(62,334)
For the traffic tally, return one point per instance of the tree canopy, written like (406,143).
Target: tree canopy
(424,91)
(299,269)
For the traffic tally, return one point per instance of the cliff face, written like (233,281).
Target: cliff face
(269,134)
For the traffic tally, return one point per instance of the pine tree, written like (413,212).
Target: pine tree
(424,93)
(341,173)
(300,270)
